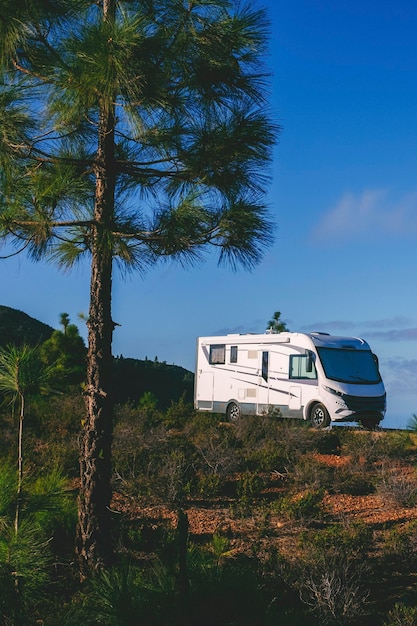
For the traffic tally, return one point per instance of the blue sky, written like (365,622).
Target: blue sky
(343,195)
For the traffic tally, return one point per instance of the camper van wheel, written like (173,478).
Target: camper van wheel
(233,412)
(319,416)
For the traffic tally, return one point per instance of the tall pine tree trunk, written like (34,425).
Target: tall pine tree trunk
(94,537)
(94,546)
(20,464)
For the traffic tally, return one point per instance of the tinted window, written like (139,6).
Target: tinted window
(349,366)
(217,354)
(265,360)
(302,366)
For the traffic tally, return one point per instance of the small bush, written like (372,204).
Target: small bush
(349,480)
(8,488)
(248,488)
(175,477)
(305,507)
(350,540)
(333,589)
(310,473)
(397,486)
(270,444)
(209,485)
(254,430)
(267,457)
(327,443)
(402,615)
(179,414)
(215,453)
(226,590)
(365,448)
(249,485)
(123,596)
(400,547)
(332,570)
(25,565)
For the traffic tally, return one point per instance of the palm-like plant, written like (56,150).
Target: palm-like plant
(276,324)
(22,375)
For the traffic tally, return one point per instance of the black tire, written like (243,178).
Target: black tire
(233,412)
(319,416)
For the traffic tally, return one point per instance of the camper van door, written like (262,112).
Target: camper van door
(263,382)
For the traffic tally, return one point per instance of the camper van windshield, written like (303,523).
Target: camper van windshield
(349,366)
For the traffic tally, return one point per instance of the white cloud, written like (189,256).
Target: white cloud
(404,334)
(390,329)
(372,212)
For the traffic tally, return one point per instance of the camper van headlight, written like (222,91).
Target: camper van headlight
(334,391)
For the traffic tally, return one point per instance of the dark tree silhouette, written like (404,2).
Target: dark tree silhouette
(276,324)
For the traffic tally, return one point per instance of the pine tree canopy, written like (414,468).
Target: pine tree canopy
(191,132)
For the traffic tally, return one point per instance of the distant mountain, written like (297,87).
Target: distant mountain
(17,328)
(131,377)
(168,383)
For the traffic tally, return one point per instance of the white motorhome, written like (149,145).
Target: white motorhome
(313,376)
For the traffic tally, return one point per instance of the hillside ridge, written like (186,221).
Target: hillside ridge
(131,377)
(17,327)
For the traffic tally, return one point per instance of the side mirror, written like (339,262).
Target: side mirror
(309,364)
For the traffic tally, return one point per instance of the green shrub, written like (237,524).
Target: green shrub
(400,547)
(254,430)
(332,571)
(162,466)
(51,503)
(355,482)
(123,596)
(175,477)
(209,485)
(179,414)
(139,439)
(249,485)
(226,589)
(350,540)
(248,489)
(8,488)
(402,615)
(327,442)
(271,444)
(267,457)
(25,565)
(309,472)
(222,591)
(52,438)
(365,448)
(304,507)
(216,454)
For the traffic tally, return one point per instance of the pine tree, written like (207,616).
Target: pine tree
(130,132)
(22,375)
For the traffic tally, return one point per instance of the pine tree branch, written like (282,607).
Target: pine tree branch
(12,254)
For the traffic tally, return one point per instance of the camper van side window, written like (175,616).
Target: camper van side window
(233,354)
(217,354)
(300,366)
